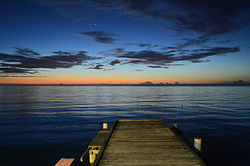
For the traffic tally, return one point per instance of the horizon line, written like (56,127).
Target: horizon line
(140,84)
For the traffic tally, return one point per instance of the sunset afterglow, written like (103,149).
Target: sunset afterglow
(107,42)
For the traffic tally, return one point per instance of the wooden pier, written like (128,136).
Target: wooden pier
(140,142)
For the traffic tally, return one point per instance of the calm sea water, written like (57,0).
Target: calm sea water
(41,124)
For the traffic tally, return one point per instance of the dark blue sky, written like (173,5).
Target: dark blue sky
(124,41)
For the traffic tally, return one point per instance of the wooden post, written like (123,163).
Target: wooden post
(93,152)
(175,125)
(197,143)
(105,126)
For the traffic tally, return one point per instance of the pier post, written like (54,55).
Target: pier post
(105,126)
(197,143)
(93,152)
(175,125)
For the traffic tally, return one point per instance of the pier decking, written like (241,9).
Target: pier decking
(145,142)
(137,143)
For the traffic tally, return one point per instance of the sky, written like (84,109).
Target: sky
(124,41)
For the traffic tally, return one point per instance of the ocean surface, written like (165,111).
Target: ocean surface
(41,124)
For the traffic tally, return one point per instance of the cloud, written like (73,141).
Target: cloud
(169,48)
(157,67)
(187,43)
(51,62)
(9,70)
(205,17)
(20,76)
(143,45)
(224,41)
(26,52)
(97,67)
(160,59)
(114,62)
(203,53)
(193,42)
(100,36)
(112,52)
(28,62)
(23,61)
(147,57)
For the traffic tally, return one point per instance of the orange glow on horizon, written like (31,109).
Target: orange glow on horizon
(107,80)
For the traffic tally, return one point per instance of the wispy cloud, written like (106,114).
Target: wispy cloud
(15,70)
(26,52)
(143,45)
(224,41)
(20,76)
(206,17)
(27,62)
(114,62)
(161,59)
(97,67)
(100,36)
(22,61)
(188,42)
(193,42)
(198,55)
(157,67)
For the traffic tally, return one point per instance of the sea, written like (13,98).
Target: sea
(39,124)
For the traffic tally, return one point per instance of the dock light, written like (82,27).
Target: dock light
(105,126)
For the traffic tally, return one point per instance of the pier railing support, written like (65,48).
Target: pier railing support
(85,154)
(197,143)
(175,125)
(105,126)
(93,152)
(96,144)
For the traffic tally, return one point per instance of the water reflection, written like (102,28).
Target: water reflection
(63,119)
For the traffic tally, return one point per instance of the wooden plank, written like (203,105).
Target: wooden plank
(100,138)
(65,162)
(146,142)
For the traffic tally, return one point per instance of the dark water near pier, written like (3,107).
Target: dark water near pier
(41,124)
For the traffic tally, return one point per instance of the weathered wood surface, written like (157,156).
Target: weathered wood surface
(100,138)
(65,162)
(146,142)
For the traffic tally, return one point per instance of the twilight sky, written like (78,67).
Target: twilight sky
(124,41)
